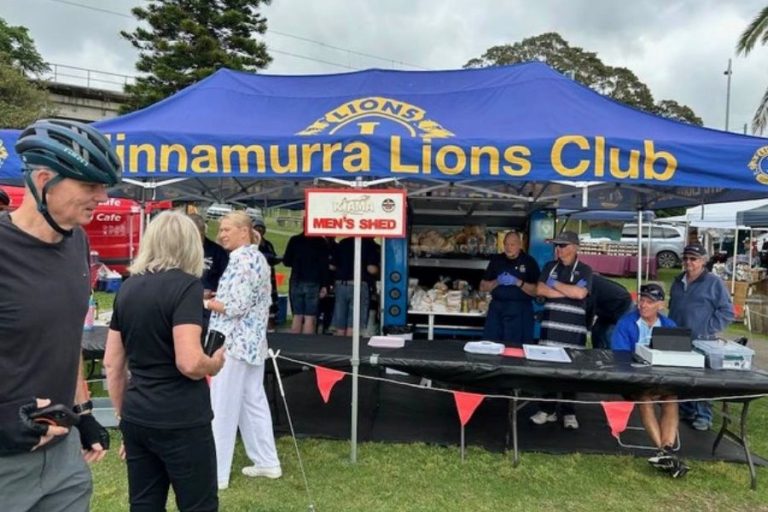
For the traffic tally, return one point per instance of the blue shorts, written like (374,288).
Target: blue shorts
(343,305)
(304,298)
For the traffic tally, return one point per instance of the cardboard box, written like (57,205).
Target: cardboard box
(689,359)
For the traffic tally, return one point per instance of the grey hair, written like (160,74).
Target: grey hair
(171,241)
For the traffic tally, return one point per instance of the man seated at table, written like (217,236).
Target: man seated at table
(636,327)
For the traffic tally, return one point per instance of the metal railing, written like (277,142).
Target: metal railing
(90,78)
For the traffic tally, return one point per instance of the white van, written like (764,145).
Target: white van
(667,243)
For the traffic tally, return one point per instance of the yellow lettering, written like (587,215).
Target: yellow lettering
(557,155)
(517,157)
(394,158)
(148,150)
(307,150)
(358,157)
(478,152)
(328,151)
(165,156)
(291,166)
(242,153)
(633,171)
(206,161)
(651,155)
(442,155)
(599,156)
(426,157)
(367,127)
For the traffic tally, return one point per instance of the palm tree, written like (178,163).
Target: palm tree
(756,31)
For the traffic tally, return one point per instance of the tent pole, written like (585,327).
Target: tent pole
(735,252)
(650,251)
(639,249)
(355,347)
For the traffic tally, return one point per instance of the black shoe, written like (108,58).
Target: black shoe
(679,469)
(664,460)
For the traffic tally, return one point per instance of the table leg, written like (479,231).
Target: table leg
(512,428)
(740,439)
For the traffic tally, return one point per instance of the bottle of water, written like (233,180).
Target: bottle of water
(90,315)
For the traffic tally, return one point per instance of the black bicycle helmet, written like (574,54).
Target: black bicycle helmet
(74,150)
(70,149)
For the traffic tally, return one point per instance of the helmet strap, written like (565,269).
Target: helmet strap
(42,203)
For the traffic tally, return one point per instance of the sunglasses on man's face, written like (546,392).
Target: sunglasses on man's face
(561,246)
(690,258)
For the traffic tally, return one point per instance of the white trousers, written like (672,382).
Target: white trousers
(239,400)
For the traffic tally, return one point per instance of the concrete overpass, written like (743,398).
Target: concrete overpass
(85,94)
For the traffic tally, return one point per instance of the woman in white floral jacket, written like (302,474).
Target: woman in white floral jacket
(240,312)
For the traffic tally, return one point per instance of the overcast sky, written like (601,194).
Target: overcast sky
(679,48)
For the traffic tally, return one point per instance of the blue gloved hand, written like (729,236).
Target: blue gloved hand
(551,282)
(507,279)
(582,283)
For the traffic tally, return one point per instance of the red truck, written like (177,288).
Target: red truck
(115,230)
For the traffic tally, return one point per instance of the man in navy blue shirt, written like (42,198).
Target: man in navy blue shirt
(700,301)
(343,261)
(511,278)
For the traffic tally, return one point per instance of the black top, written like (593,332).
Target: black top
(146,309)
(523,267)
(343,258)
(44,291)
(608,301)
(308,259)
(216,260)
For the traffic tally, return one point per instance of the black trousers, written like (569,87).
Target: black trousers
(157,458)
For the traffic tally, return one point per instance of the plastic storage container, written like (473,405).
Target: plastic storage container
(725,355)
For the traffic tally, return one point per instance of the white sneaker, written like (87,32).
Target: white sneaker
(254,471)
(223,485)
(570,422)
(541,417)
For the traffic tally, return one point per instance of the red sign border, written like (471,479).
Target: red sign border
(378,191)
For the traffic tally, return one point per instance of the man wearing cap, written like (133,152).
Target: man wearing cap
(635,328)
(565,284)
(268,250)
(511,278)
(700,301)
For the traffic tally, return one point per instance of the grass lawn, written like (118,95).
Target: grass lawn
(419,477)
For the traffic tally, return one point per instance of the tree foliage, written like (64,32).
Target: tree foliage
(757,31)
(585,67)
(21,100)
(187,40)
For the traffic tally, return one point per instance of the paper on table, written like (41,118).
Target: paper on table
(513,352)
(546,353)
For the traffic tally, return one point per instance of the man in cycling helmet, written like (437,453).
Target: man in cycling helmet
(45,278)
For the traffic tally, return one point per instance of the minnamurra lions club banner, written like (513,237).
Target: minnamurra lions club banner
(349,212)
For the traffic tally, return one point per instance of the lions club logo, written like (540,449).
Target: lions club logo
(759,165)
(374,115)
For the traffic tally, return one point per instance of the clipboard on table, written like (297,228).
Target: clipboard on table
(546,353)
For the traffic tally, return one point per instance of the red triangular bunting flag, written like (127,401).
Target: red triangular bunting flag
(326,379)
(466,403)
(617,414)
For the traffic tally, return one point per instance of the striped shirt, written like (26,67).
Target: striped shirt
(564,321)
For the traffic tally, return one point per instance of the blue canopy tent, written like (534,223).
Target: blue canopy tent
(519,132)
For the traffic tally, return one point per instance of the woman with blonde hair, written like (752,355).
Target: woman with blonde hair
(164,406)
(241,312)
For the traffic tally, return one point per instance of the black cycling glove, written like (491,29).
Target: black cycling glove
(23,434)
(91,432)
